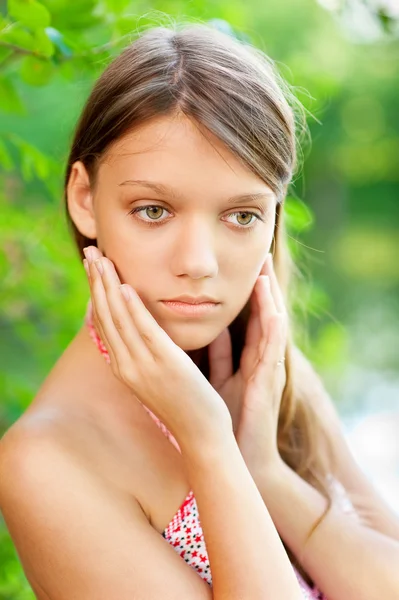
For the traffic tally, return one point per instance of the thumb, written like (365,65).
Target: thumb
(220,359)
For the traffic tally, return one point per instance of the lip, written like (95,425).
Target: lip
(191,309)
(192,299)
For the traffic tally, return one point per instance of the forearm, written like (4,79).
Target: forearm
(245,552)
(345,558)
(370,506)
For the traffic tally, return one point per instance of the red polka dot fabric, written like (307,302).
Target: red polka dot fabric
(184,532)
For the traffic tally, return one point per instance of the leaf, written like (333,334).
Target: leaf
(10,102)
(17,35)
(33,162)
(298,216)
(30,13)
(35,71)
(5,158)
(73,17)
(4,53)
(117,6)
(43,44)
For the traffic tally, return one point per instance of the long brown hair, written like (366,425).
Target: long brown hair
(235,91)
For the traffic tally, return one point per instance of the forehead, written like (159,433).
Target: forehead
(179,152)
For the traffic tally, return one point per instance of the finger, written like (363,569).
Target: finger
(266,299)
(94,319)
(109,334)
(274,326)
(220,359)
(135,324)
(263,270)
(268,309)
(276,347)
(274,284)
(254,332)
(95,253)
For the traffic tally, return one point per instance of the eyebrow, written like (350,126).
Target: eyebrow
(160,188)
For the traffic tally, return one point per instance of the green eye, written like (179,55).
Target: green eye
(154,214)
(245,216)
(156,210)
(246,219)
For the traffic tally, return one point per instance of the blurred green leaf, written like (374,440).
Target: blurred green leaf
(33,161)
(36,71)
(10,101)
(17,35)
(5,53)
(30,13)
(43,45)
(65,19)
(298,215)
(5,158)
(116,6)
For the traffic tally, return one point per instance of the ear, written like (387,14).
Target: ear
(80,201)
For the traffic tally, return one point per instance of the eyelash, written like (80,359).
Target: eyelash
(156,222)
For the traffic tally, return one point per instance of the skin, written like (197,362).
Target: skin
(206,246)
(198,246)
(99,418)
(201,248)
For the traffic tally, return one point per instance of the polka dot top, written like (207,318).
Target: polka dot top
(184,532)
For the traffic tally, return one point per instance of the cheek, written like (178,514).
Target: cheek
(242,264)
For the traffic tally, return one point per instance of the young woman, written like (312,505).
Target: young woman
(182,446)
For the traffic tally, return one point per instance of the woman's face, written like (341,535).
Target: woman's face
(189,237)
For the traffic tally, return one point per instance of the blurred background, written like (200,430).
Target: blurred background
(342,58)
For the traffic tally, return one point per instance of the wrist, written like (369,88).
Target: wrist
(211,448)
(270,474)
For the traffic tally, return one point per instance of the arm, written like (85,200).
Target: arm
(370,506)
(345,558)
(78,538)
(245,552)
(367,545)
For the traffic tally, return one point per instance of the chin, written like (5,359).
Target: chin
(192,335)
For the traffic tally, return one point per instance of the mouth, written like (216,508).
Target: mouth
(192,299)
(194,309)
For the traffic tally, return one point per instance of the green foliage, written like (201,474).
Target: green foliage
(10,101)
(30,13)
(51,51)
(13,584)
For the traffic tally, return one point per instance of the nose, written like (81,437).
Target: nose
(194,252)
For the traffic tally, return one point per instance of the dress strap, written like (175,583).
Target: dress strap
(88,319)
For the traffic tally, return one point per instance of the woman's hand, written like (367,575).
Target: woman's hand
(142,355)
(261,377)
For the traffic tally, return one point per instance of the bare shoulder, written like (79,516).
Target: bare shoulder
(44,442)
(76,535)
(56,439)
(82,408)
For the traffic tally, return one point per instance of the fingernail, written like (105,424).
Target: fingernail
(126,292)
(266,282)
(99,265)
(89,254)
